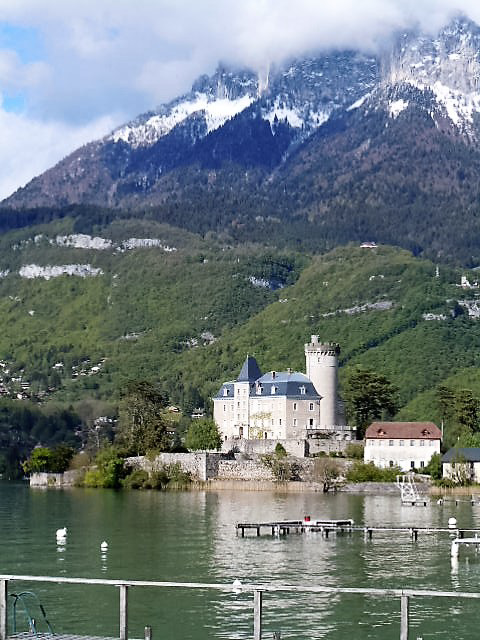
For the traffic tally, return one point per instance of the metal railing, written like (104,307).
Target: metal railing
(256,589)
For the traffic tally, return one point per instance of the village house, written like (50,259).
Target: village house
(408,445)
(462,464)
(281,405)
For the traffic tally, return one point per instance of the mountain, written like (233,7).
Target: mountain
(82,315)
(316,152)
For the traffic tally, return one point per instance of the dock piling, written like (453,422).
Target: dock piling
(148,632)
(257,615)
(123,612)
(403,617)
(3,609)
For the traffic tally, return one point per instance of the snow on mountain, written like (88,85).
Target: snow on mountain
(215,111)
(448,66)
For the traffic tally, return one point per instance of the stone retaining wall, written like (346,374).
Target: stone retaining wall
(54,480)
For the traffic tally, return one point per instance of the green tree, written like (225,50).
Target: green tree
(49,460)
(108,471)
(368,396)
(467,409)
(143,423)
(434,467)
(203,435)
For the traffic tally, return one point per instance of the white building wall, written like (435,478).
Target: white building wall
(405,454)
(223,415)
(271,417)
(322,369)
(460,470)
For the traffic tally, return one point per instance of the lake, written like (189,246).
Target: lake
(190,537)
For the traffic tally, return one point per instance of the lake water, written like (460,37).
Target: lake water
(190,537)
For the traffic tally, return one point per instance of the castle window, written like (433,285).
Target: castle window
(279,422)
(422,443)
(225,392)
(294,422)
(224,407)
(401,443)
(311,406)
(412,443)
(294,406)
(310,422)
(390,443)
(302,391)
(259,389)
(273,390)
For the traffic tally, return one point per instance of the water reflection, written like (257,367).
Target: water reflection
(191,537)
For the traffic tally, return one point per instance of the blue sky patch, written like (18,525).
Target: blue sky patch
(25,41)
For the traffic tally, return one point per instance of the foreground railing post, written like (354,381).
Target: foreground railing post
(123,612)
(3,609)
(404,618)
(257,615)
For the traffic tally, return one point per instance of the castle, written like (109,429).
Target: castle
(282,405)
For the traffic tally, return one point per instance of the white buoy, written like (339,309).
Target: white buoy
(61,534)
(237,586)
(104,546)
(452,523)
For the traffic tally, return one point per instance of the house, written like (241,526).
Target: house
(281,405)
(462,464)
(408,445)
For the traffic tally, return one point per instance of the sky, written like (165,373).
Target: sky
(71,71)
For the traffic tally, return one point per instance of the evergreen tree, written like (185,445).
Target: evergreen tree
(368,396)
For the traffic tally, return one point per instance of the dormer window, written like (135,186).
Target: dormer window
(273,390)
(259,389)
(226,392)
(302,390)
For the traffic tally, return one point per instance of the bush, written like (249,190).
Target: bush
(170,476)
(48,460)
(138,479)
(109,470)
(434,467)
(281,468)
(203,435)
(361,472)
(354,451)
(280,450)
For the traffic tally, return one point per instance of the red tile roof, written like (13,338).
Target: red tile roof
(405,430)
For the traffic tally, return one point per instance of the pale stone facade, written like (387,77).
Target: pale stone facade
(408,445)
(280,405)
(462,465)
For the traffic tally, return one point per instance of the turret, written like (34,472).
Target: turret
(321,367)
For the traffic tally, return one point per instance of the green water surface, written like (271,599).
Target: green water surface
(190,537)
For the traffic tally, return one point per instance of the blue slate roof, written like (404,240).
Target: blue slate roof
(460,454)
(286,384)
(250,370)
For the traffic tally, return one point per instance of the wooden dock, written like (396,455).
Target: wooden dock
(325,527)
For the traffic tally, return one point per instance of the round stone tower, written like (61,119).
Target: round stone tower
(322,366)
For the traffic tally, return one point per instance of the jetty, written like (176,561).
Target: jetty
(256,605)
(325,527)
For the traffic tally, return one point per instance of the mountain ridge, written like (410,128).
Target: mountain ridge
(340,147)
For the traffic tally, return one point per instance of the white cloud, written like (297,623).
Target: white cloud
(29,147)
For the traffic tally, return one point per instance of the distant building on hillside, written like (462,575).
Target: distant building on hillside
(408,445)
(281,405)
